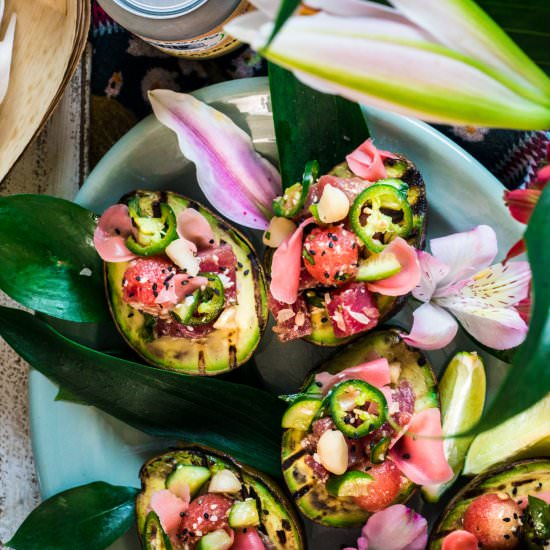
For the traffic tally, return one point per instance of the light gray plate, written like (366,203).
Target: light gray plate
(75,444)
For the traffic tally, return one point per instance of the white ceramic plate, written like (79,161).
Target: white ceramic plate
(74,444)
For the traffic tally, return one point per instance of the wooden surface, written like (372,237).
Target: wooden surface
(48,41)
(56,163)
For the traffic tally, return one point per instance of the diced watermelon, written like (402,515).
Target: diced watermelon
(293,320)
(460,540)
(352,310)
(221,260)
(494,519)
(384,488)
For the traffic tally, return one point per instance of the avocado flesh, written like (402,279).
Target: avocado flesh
(518,479)
(221,350)
(400,168)
(312,497)
(278,520)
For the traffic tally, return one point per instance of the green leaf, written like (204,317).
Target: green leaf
(528,381)
(288,7)
(538,521)
(89,517)
(243,421)
(526,23)
(49,262)
(310,125)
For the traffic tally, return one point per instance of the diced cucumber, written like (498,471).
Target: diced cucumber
(154,537)
(244,513)
(194,476)
(350,484)
(301,413)
(216,540)
(378,266)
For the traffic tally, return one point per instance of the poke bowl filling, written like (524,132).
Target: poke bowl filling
(185,289)
(197,498)
(350,445)
(505,508)
(341,246)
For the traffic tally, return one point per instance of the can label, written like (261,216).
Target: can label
(210,44)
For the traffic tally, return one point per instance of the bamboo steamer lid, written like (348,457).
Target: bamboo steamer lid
(50,37)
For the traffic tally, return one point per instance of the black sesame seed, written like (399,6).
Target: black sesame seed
(327,275)
(154,287)
(239,265)
(324,320)
(331,244)
(506,537)
(323,253)
(312,252)
(406,456)
(211,241)
(117,231)
(246,271)
(138,278)
(515,515)
(515,491)
(319,384)
(206,516)
(506,520)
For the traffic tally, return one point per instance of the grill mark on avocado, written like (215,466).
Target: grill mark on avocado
(201,363)
(232,356)
(286,525)
(194,205)
(302,492)
(288,462)
(281,535)
(523,482)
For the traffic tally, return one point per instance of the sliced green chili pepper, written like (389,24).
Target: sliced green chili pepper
(380,450)
(185,310)
(357,408)
(294,197)
(156,228)
(154,536)
(211,301)
(379,214)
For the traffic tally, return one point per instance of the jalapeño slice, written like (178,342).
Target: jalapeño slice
(156,227)
(211,301)
(379,214)
(357,408)
(294,197)
(154,537)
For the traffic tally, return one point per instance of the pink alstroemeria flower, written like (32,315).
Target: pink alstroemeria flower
(395,528)
(458,279)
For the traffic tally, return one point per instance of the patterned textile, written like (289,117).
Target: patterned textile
(124,68)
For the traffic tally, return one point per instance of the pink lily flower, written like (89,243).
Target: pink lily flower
(395,528)
(458,280)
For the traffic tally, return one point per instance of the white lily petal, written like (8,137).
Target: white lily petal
(463,26)
(381,62)
(494,327)
(465,253)
(2,6)
(6,48)
(254,28)
(497,286)
(354,8)
(433,271)
(267,7)
(234,177)
(433,328)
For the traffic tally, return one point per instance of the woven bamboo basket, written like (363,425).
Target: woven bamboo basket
(49,40)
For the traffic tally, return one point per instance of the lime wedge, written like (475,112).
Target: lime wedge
(462,392)
(525,435)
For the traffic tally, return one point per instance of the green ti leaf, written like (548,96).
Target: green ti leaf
(288,7)
(311,125)
(238,419)
(528,381)
(49,262)
(89,517)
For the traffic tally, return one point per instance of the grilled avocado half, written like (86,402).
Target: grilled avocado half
(310,495)
(223,349)
(277,519)
(518,479)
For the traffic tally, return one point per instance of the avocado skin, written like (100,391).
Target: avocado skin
(279,521)
(518,479)
(219,352)
(311,497)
